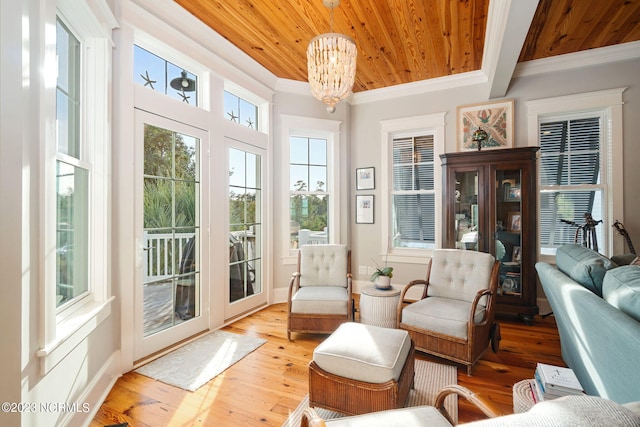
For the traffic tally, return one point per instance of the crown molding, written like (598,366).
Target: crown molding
(587,58)
(420,87)
(391,92)
(295,87)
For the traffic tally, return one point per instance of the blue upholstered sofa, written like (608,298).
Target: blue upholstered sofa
(596,304)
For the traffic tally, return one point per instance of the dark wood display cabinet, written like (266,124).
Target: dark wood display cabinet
(489,200)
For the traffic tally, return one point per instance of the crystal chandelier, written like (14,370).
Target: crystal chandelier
(331,64)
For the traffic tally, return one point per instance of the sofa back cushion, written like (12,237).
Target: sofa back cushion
(583,265)
(621,289)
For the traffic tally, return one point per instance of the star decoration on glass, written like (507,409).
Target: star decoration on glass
(147,80)
(249,123)
(184,96)
(232,117)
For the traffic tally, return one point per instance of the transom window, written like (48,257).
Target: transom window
(158,74)
(239,110)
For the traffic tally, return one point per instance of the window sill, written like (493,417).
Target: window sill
(71,332)
(410,256)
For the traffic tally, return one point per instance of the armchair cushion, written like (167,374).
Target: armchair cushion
(323,265)
(459,274)
(320,300)
(442,315)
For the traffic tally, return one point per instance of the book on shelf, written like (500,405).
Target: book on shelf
(556,381)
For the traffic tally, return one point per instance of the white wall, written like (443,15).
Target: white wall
(365,138)
(89,370)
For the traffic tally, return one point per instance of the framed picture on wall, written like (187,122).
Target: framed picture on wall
(364,209)
(495,118)
(365,178)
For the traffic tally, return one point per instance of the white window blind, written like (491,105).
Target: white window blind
(570,179)
(413,194)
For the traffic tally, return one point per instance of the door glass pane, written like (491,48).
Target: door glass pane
(466,210)
(508,247)
(245,216)
(171,229)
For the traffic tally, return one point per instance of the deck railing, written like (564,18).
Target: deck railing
(163,253)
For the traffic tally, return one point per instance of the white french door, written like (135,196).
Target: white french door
(245,290)
(171,286)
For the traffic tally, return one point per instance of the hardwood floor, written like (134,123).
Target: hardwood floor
(264,387)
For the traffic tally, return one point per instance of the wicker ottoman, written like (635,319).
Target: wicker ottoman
(362,368)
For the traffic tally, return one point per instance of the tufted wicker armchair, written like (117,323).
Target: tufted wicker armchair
(454,316)
(319,297)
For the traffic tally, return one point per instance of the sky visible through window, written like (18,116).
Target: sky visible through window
(156,73)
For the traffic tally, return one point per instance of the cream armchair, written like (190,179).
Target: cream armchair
(454,317)
(319,297)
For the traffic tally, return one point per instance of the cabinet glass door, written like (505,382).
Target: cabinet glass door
(508,245)
(466,210)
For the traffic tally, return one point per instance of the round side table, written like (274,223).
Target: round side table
(379,307)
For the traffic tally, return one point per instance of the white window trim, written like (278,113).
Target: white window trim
(263,105)
(610,102)
(153,45)
(62,330)
(318,128)
(390,129)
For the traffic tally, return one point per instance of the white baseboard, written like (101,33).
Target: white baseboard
(96,392)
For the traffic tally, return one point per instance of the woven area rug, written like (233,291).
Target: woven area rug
(194,364)
(430,377)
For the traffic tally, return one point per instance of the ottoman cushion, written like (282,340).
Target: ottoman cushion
(364,352)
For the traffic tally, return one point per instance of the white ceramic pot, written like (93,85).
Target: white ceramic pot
(382,282)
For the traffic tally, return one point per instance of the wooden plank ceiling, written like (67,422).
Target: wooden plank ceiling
(402,41)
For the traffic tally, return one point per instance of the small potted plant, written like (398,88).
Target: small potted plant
(381,277)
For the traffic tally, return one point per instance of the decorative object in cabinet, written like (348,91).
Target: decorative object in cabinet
(489,201)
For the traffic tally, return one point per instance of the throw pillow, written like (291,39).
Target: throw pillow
(583,265)
(621,289)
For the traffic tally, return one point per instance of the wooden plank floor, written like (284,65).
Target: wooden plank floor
(264,387)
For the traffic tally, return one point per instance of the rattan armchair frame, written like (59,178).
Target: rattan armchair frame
(317,323)
(464,351)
